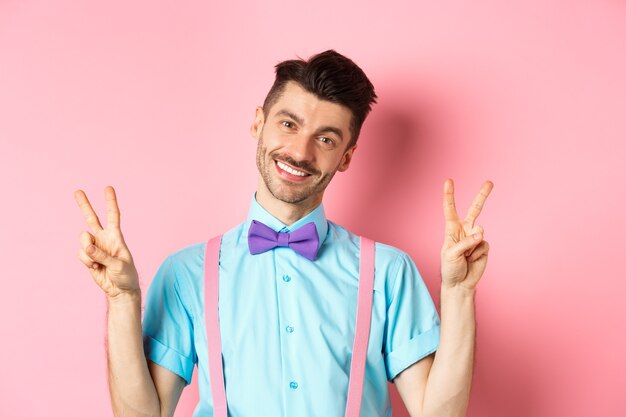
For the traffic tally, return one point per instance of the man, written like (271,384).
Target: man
(287,317)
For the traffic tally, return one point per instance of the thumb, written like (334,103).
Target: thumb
(466,244)
(99,255)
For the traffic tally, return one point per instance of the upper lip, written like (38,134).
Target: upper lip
(292,167)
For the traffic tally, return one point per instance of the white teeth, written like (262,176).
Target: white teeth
(290,170)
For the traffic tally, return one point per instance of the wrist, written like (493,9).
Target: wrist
(125,298)
(457,291)
(458,309)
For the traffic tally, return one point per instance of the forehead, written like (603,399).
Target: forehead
(312,109)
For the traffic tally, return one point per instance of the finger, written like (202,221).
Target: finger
(85,259)
(86,239)
(465,244)
(475,229)
(88,213)
(113,211)
(99,255)
(449,208)
(479,202)
(481,250)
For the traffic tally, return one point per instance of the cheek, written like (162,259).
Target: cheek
(331,165)
(270,140)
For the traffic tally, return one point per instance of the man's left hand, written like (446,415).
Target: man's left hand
(464,252)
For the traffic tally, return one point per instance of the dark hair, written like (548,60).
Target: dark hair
(330,76)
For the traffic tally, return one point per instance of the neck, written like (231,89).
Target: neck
(287,213)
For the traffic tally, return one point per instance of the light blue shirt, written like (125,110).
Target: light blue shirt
(287,324)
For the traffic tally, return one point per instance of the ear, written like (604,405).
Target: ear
(347,158)
(257,123)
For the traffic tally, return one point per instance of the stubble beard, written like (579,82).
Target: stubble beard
(294,193)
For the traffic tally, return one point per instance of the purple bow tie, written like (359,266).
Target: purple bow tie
(303,240)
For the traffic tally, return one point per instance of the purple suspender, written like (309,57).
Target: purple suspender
(361,338)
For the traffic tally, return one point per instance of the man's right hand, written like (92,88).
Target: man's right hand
(104,251)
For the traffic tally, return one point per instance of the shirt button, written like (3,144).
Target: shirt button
(286,278)
(289,330)
(293,385)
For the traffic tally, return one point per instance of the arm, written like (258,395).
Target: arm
(136,388)
(169,387)
(439,385)
(133,393)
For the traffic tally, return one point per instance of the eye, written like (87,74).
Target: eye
(287,124)
(327,140)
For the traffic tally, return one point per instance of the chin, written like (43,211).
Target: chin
(290,198)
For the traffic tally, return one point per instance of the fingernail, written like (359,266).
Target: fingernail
(476,236)
(94,266)
(90,249)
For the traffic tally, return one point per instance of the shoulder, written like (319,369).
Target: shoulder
(187,253)
(194,253)
(394,269)
(188,262)
(389,259)
(339,234)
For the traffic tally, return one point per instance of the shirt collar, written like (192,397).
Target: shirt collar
(317,216)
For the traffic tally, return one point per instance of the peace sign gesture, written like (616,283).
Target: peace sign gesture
(464,252)
(104,252)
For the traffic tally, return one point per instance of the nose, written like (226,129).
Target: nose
(300,148)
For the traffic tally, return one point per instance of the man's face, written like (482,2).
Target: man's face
(301,144)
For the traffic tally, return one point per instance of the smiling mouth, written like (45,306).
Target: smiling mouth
(290,170)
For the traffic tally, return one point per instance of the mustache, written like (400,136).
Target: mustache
(303,165)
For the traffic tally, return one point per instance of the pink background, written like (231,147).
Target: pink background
(155,98)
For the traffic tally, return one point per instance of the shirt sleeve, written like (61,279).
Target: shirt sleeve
(412,325)
(168,332)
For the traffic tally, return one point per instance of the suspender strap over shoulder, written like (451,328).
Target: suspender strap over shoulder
(361,338)
(363,320)
(211,316)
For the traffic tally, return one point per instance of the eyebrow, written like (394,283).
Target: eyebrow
(299,120)
(291,116)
